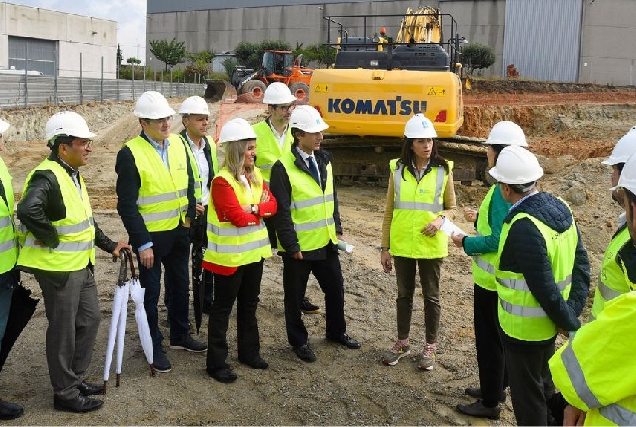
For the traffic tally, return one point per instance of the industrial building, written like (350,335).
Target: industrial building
(56,43)
(565,40)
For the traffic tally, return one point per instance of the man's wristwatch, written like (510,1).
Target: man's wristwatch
(253,209)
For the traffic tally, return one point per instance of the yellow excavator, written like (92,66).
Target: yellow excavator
(377,84)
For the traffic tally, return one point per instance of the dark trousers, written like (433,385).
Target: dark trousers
(172,249)
(490,352)
(72,309)
(530,382)
(244,287)
(201,279)
(329,276)
(429,270)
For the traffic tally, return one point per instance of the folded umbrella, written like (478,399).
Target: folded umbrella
(138,293)
(21,311)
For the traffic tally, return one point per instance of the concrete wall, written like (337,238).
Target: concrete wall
(93,38)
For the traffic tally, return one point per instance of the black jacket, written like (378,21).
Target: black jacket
(281,189)
(525,252)
(207,151)
(127,188)
(42,204)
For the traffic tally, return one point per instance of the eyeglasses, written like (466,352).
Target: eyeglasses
(285,107)
(83,143)
(162,120)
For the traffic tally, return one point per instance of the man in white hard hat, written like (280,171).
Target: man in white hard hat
(9,275)
(155,191)
(594,370)
(308,227)
(274,140)
(58,240)
(612,280)
(195,116)
(543,276)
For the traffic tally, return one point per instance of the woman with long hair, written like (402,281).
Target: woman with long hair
(237,247)
(420,197)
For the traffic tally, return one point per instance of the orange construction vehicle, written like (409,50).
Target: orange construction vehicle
(277,66)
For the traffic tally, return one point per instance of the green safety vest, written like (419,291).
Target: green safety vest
(612,279)
(76,231)
(267,148)
(8,239)
(233,246)
(520,314)
(415,204)
(484,264)
(595,370)
(163,195)
(198,181)
(311,209)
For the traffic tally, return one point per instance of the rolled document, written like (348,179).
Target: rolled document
(344,246)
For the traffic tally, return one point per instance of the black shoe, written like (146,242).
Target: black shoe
(345,340)
(79,404)
(257,363)
(477,409)
(304,352)
(189,344)
(160,361)
(88,389)
(9,411)
(476,393)
(308,307)
(223,375)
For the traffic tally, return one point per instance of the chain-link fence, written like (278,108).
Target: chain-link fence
(22,91)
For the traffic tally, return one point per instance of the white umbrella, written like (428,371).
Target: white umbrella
(120,312)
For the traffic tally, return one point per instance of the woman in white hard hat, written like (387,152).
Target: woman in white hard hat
(237,246)
(420,197)
(483,248)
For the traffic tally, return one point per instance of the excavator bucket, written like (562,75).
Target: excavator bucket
(217,90)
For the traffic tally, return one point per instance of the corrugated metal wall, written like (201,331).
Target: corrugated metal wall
(542,38)
(33,54)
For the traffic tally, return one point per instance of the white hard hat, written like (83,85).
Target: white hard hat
(236,130)
(623,150)
(3,126)
(152,105)
(516,165)
(67,123)
(194,105)
(307,118)
(419,126)
(278,94)
(507,133)
(628,176)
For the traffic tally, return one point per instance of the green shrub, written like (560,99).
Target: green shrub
(477,56)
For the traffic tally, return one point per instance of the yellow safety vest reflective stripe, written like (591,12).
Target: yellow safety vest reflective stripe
(8,239)
(76,232)
(612,279)
(311,209)
(595,371)
(267,148)
(198,181)
(520,314)
(484,264)
(415,204)
(163,195)
(234,246)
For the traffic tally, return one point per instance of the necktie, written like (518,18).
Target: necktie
(313,168)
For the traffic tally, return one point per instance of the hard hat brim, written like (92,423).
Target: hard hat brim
(4,126)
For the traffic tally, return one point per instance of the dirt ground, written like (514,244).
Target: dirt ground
(570,131)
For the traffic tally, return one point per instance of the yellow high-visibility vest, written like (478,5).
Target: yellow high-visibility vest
(415,204)
(198,181)
(484,264)
(163,195)
(76,231)
(234,246)
(8,238)
(267,148)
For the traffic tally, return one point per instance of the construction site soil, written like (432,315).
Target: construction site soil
(571,127)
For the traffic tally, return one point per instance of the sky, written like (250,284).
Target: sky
(129,14)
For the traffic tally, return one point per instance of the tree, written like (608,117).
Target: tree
(170,52)
(476,56)
(321,53)
(120,55)
(133,60)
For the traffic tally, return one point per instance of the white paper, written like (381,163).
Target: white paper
(344,246)
(449,228)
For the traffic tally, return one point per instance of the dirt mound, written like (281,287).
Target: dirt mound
(522,86)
